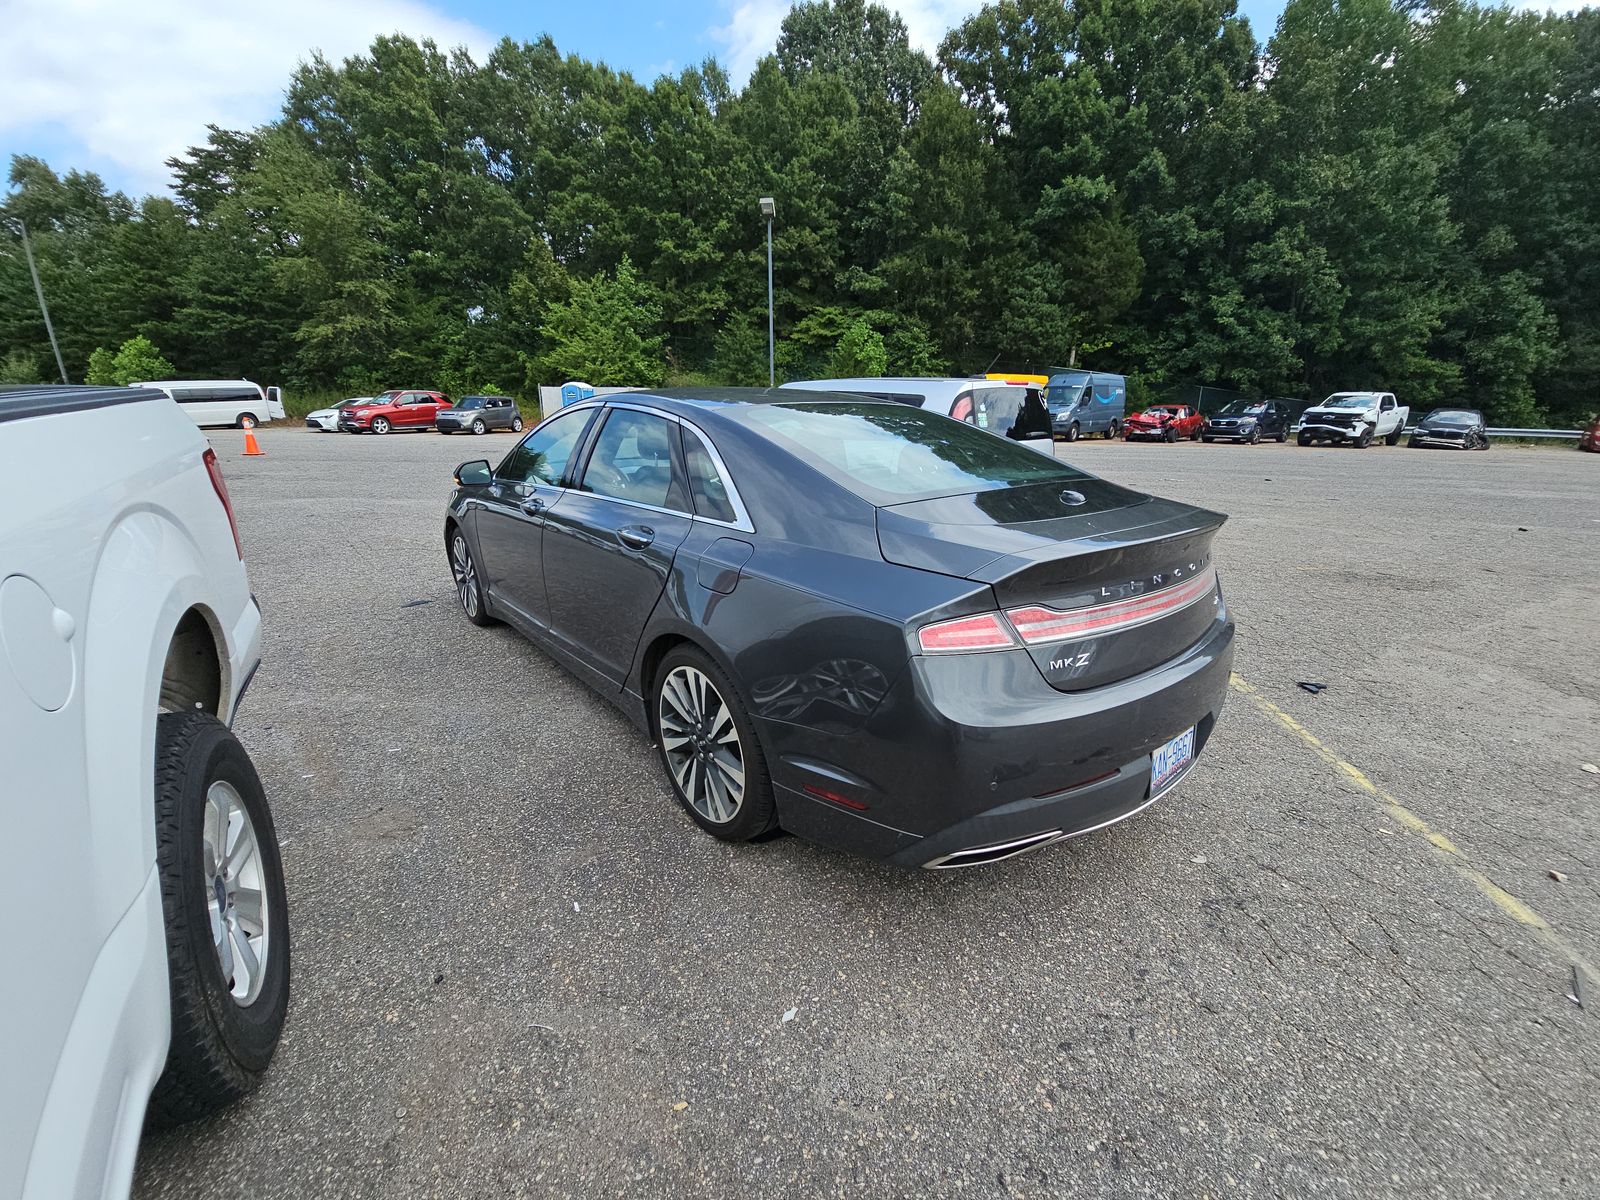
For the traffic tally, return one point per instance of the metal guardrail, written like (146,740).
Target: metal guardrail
(1574,434)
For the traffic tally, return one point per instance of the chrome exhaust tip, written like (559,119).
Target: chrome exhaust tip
(980,856)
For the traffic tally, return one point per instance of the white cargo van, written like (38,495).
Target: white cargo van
(235,402)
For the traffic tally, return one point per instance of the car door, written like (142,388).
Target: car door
(1386,414)
(510,520)
(499,413)
(609,544)
(413,408)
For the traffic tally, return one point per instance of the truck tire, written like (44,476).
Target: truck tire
(1393,438)
(226,1019)
(1303,439)
(1072,432)
(1364,439)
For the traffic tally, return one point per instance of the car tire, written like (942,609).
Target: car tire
(443,430)
(1412,444)
(1171,435)
(1283,436)
(479,427)
(1207,440)
(516,424)
(468,580)
(690,693)
(221,1041)
(246,421)
(1255,437)
(380,424)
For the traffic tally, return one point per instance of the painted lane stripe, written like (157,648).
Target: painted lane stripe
(1518,910)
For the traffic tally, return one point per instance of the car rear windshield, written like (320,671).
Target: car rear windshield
(889,454)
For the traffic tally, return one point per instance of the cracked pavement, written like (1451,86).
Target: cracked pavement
(520,971)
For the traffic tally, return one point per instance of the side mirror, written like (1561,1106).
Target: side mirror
(475,474)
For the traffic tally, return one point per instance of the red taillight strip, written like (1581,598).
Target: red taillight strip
(221,488)
(1037,624)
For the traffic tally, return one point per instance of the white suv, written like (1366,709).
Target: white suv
(143,922)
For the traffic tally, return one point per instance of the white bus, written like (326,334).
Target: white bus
(235,402)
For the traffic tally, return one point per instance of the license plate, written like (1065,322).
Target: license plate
(1169,761)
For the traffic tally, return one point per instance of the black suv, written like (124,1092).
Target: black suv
(1248,421)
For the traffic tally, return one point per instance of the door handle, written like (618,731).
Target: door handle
(533,506)
(636,536)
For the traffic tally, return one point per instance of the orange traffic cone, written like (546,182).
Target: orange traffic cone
(251,446)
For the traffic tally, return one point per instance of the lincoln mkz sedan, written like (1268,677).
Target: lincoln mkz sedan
(871,625)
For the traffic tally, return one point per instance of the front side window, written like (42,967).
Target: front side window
(632,460)
(543,455)
(707,488)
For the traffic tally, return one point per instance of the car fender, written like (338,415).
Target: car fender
(149,573)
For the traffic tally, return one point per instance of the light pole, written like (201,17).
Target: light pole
(44,309)
(769,209)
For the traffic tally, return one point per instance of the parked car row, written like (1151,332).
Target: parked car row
(401,409)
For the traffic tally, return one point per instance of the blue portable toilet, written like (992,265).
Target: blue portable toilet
(571,393)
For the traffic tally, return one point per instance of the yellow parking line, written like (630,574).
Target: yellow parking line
(1514,908)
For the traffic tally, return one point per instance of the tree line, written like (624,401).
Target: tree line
(1400,195)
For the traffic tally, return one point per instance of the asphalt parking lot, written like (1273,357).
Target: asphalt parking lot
(1334,962)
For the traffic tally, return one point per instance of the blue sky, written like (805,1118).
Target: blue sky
(116,86)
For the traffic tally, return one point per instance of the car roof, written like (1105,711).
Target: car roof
(928,386)
(43,400)
(162,383)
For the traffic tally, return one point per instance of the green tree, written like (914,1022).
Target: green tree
(135,361)
(604,332)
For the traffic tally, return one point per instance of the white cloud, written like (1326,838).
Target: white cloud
(133,82)
(752,28)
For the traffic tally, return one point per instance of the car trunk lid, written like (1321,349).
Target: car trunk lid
(1097,581)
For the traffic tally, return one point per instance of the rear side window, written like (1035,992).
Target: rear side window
(889,454)
(235,393)
(190,395)
(707,488)
(633,460)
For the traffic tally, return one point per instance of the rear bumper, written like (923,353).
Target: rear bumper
(976,750)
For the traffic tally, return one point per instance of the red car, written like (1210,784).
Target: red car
(394,409)
(1165,423)
(1590,438)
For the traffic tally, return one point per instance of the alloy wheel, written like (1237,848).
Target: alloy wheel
(701,744)
(479,427)
(466,573)
(235,874)
(380,425)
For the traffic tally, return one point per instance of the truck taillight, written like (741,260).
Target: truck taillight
(214,470)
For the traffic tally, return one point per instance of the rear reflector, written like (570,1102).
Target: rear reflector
(834,797)
(986,631)
(1038,625)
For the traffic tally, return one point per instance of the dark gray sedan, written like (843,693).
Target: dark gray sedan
(479,414)
(1451,428)
(881,629)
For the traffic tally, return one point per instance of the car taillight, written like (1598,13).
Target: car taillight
(221,487)
(962,408)
(986,631)
(1037,624)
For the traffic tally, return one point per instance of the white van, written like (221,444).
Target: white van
(235,402)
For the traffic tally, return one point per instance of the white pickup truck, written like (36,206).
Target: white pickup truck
(1355,418)
(143,923)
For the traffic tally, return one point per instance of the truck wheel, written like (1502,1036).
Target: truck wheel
(1303,439)
(226,916)
(1072,432)
(246,421)
(1365,438)
(1393,439)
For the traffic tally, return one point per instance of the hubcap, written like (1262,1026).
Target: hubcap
(702,744)
(466,574)
(236,891)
